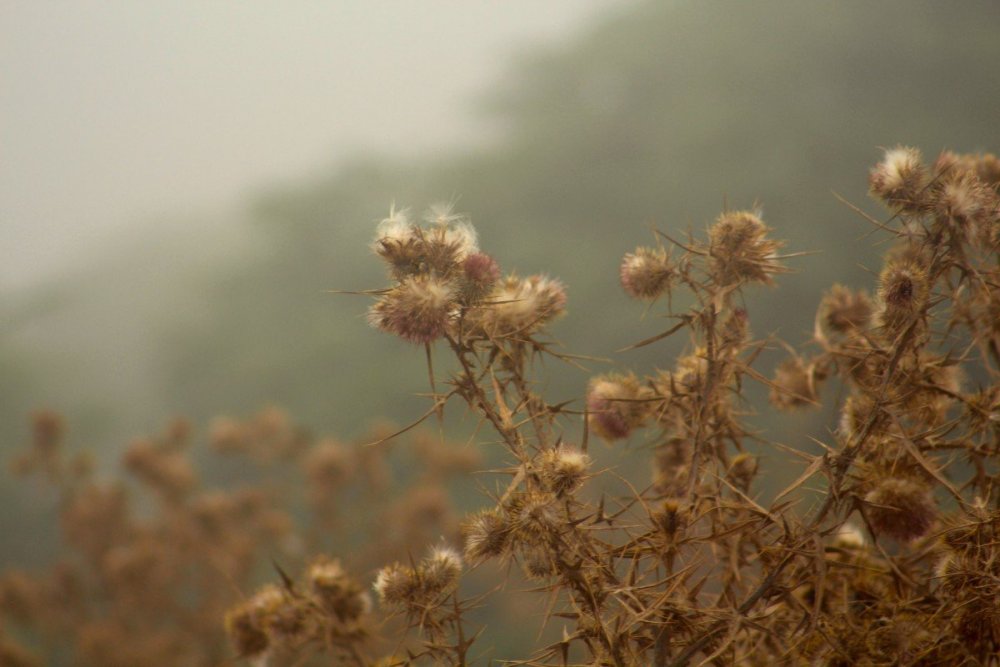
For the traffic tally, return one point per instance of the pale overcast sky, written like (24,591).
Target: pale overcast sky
(115,114)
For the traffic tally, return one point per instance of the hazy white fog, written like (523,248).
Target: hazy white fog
(116,116)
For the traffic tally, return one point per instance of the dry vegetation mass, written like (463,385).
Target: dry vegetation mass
(884,551)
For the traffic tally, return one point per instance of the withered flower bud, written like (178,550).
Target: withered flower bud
(740,251)
(249,624)
(532,517)
(480,273)
(671,518)
(794,385)
(734,331)
(900,178)
(741,471)
(520,307)
(563,469)
(396,584)
(903,291)
(646,273)
(900,508)
(843,310)
(537,563)
(335,590)
(671,465)
(486,534)
(419,310)
(617,404)
(963,202)
(439,572)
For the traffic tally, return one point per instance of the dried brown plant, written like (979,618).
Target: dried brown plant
(891,555)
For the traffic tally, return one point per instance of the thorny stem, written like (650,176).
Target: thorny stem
(842,465)
(462,646)
(704,404)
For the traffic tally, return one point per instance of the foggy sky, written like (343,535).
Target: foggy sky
(117,116)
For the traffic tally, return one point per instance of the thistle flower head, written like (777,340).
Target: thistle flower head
(671,518)
(646,273)
(336,591)
(396,584)
(420,310)
(563,469)
(412,250)
(903,291)
(734,331)
(671,464)
(521,306)
(395,229)
(689,374)
(256,623)
(617,404)
(962,200)
(900,178)
(480,273)
(439,571)
(532,516)
(843,310)
(740,251)
(246,631)
(487,535)
(794,385)
(901,508)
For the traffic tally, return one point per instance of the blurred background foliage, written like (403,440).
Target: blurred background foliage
(657,116)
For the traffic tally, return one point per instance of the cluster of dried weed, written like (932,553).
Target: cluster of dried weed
(159,568)
(896,562)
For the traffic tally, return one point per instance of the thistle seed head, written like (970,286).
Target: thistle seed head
(439,572)
(563,469)
(739,250)
(396,585)
(420,310)
(646,273)
(900,508)
(617,404)
(336,591)
(843,310)
(520,307)
(903,292)
(487,535)
(900,178)
(794,385)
